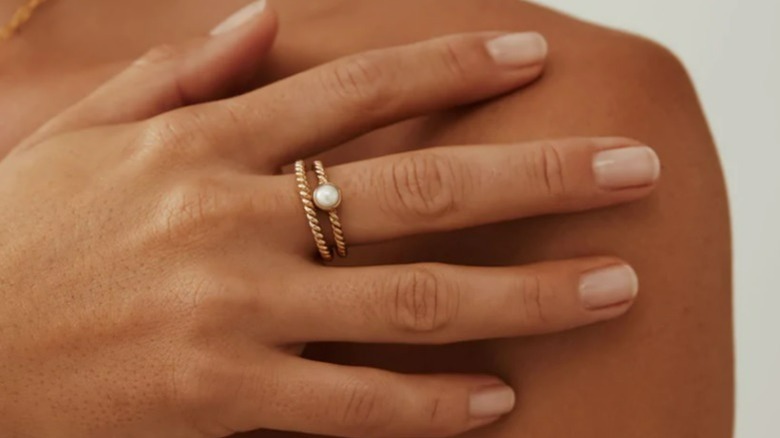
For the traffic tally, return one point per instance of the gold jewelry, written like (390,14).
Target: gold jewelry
(19,19)
(327,197)
(304,190)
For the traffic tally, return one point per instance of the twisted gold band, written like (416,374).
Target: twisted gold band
(19,19)
(335,221)
(304,190)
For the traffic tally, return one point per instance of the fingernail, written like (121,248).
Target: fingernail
(492,401)
(622,168)
(239,18)
(518,49)
(608,287)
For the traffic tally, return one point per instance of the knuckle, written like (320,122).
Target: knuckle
(200,381)
(359,81)
(202,377)
(202,384)
(548,171)
(365,413)
(185,389)
(169,141)
(423,301)
(214,300)
(532,292)
(209,302)
(425,185)
(192,210)
(160,132)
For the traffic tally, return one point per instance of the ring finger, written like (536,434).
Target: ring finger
(457,187)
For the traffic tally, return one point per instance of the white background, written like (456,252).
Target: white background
(732,50)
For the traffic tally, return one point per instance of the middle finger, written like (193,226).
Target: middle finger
(436,303)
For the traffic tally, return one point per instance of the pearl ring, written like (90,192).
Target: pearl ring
(326,198)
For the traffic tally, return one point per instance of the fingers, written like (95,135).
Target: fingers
(436,304)
(325,399)
(450,188)
(169,77)
(315,110)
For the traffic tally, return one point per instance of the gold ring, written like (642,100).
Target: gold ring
(327,197)
(304,190)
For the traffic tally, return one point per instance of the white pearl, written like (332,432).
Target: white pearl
(327,197)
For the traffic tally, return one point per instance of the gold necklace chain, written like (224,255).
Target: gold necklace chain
(20,17)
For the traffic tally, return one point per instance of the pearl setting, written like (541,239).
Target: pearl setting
(327,197)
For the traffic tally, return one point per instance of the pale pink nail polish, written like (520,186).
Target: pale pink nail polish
(633,166)
(240,18)
(608,287)
(492,401)
(518,49)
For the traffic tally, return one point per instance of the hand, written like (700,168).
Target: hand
(154,268)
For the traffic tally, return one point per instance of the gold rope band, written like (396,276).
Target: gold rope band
(304,190)
(20,18)
(335,222)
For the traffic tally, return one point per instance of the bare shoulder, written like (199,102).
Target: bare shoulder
(318,32)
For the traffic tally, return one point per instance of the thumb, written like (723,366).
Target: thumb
(172,76)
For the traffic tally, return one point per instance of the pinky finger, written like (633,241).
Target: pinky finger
(326,399)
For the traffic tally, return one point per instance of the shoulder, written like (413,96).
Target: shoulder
(598,82)
(339,27)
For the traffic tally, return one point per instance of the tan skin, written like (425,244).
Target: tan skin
(665,369)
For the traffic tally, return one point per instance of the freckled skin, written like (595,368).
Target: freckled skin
(663,370)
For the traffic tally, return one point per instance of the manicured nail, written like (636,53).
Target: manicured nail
(492,401)
(239,18)
(518,49)
(608,287)
(627,167)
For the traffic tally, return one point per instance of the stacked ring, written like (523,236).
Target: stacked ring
(327,197)
(304,190)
